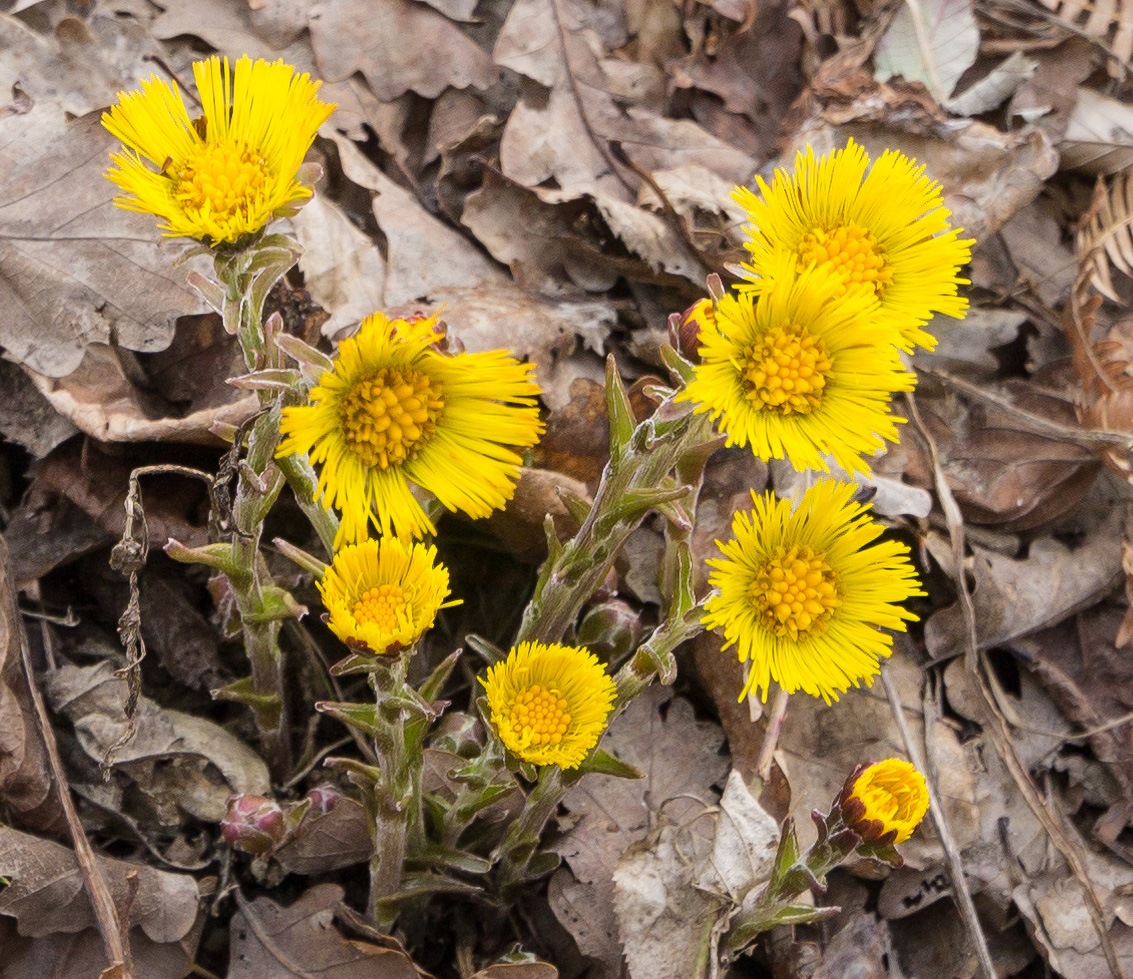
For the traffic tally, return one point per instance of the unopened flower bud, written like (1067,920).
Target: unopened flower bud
(686,329)
(612,629)
(253,824)
(883,803)
(323,799)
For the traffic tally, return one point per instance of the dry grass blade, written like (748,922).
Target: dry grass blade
(1110,22)
(1105,235)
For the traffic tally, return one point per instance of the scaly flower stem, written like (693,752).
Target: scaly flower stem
(636,480)
(522,841)
(245,279)
(398,818)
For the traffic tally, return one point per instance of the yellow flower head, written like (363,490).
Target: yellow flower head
(395,411)
(804,598)
(883,229)
(885,802)
(384,594)
(549,703)
(797,373)
(225,174)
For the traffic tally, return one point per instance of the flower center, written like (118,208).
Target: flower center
(796,592)
(850,251)
(380,606)
(541,715)
(787,372)
(220,179)
(388,416)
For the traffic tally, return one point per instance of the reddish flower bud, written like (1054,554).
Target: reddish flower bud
(253,824)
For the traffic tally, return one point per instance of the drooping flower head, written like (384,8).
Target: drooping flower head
(804,593)
(383,594)
(884,802)
(882,228)
(548,704)
(797,373)
(396,411)
(228,172)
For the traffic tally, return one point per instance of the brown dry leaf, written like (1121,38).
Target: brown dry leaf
(539,493)
(82,955)
(1050,95)
(25,777)
(235,29)
(1055,908)
(423,253)
(369,36)
(1088,676)
(1099,135)
(328,841)
(79,67)
(27,418)
(753,69)
(1001,471)
(46,893)
(74,269)
(76,505)
(192,751)
(100,399)
(1017,596)
(543,244)
(680,758)
(1110,22)
(301,941)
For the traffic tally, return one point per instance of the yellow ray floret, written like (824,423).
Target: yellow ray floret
(804,593)
(548,704)
(797,373)
(384,594)
(396,412)
(881,228)
(886,801)
(228,172)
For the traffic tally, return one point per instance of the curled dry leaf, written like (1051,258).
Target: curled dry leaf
(46,892)
(93,699)
(1099,135)
(328,841)
(1017,596)
(1109,22)
(300,941)
(1004,469)
(681,759)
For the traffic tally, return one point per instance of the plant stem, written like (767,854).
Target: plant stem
(771,734)
(656,447)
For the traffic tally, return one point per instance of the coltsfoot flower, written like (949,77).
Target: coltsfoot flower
(804,594)
(395,411)
(797,373)
(227,173)
(884,802)
(882,228)
(382,595)
(548,703)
